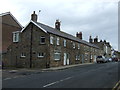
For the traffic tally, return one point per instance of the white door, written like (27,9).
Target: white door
(65,59)
(68,62)
(94,58)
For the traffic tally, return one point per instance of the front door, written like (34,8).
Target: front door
(94,58)
(68,62)
(66,59)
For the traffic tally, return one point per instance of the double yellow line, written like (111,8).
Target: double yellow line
(117,86)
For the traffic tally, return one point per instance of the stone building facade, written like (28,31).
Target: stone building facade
(40,46)
(106,48)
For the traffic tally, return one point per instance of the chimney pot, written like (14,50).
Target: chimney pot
(34,17)
(33,12)
(90,39)
(79,35)
(96,39)
(57,24)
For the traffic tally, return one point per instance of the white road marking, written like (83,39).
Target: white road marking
(16,77)
(7,78)
(13,77)
(56,82)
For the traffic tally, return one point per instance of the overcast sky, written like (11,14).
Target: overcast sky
(91,17)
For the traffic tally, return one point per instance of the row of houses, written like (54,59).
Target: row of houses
(40,46)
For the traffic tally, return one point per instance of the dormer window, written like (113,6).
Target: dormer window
(15,36)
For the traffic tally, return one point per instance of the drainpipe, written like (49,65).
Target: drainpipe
(31,39)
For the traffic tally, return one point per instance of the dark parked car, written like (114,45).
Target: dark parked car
(115,59)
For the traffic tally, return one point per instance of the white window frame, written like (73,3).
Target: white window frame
(41,40)
(23,54)
(73,45)
(56,54)
(58,41)
(51,39)
(78,46)
(41,54)
(15,36)
(65,43)
(77,57)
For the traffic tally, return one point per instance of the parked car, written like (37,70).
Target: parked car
(119,59)
(115,59)
(108,59)
(101,59)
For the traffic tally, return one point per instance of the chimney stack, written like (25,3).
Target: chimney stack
(104,41)
(57,24)
(96,39)
(100,40)
(34,17)
(90,39)
(79,35)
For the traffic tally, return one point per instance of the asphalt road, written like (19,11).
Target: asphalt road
(86,76)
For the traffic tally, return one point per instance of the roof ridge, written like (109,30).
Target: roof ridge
(2,14)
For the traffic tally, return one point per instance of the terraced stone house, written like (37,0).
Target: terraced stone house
(40,46)
(103,45)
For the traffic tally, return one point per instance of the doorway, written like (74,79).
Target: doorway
(66,59)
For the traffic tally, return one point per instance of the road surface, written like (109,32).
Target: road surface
(103,75)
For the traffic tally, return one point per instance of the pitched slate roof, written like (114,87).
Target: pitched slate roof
(54,31)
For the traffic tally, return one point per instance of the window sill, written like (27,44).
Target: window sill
(23,56)
(15,42)
(40,56)
(42,43)
(57,59)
